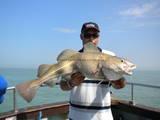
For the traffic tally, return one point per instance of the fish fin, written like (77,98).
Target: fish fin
(41,70)
(50,82)
(26,91)
(90,47)
(65,54)
(111,75)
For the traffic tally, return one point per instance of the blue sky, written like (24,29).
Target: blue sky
(33,32)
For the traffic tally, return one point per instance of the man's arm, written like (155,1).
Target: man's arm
(76,79)
(118,84)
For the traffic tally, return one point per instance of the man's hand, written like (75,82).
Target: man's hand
(118,84)
(76,79)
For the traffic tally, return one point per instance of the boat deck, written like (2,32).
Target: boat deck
(122,110)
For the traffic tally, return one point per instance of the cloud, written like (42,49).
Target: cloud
(144,15)
(139,11)
(64,30)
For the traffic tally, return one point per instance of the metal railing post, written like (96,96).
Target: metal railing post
(14,100)
(132,93)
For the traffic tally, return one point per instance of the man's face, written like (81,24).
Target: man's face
(90,36)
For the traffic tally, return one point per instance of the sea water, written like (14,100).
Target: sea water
(142,95)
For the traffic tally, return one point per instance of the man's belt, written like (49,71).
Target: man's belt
(90,107)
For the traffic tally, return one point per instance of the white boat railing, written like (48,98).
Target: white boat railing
(13,89)
(141,85)
(128,83)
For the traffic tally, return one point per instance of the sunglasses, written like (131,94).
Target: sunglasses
(89,35)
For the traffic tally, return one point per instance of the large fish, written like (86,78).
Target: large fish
(91,63)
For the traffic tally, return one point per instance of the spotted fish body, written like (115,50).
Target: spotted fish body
(91,63)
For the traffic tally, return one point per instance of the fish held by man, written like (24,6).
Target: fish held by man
(91,63)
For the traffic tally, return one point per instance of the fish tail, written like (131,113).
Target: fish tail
(26,90)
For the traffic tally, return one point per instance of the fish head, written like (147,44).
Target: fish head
(120,65)
(126,66)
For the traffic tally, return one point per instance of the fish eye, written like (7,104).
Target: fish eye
(122,60)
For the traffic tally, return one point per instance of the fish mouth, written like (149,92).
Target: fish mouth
(130,70)
(133,67)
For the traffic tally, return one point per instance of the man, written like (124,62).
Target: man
(90,99)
